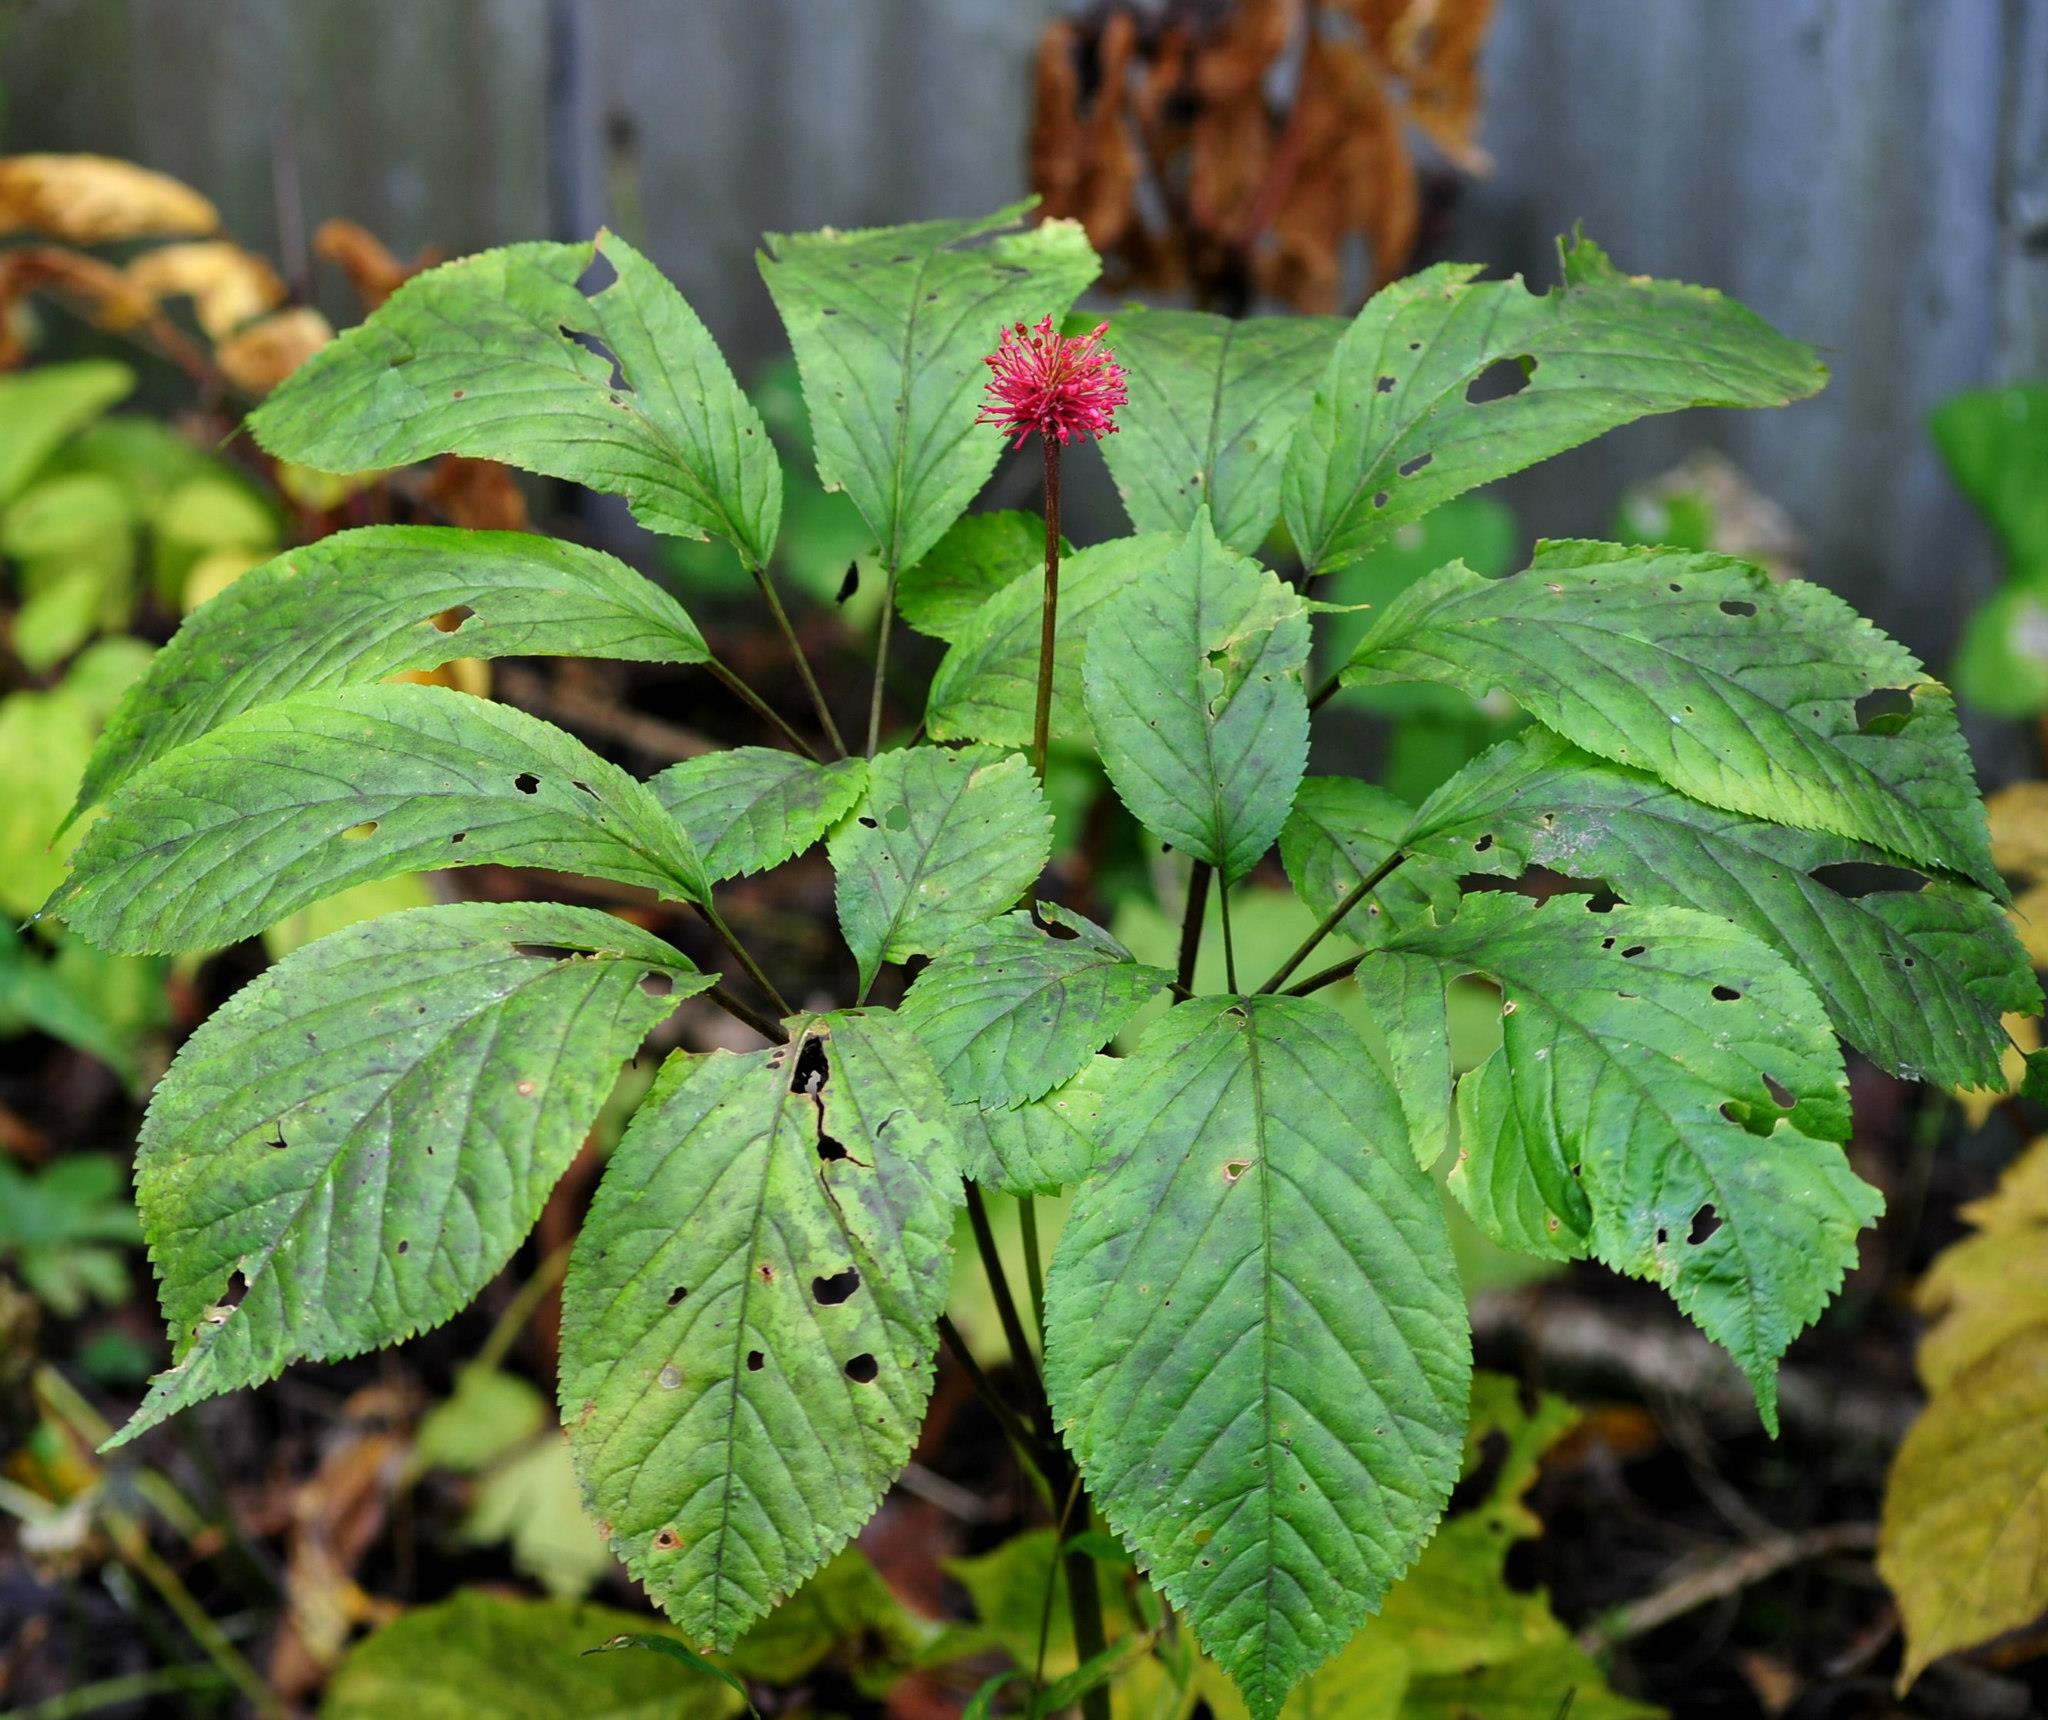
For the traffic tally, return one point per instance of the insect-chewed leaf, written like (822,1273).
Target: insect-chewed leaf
(294,801)
(978,555)
(750,808)
(940,842)
(365,605)
(352,1146)
(1407,414)
(1667,1096)
(1774,700)
(1042,1146)
(1214,402)
(506,356)
(986,687)
(1009,1012)
(889,326)
(751,1311)
(1194,687)
(1916,973)
(1255,1338)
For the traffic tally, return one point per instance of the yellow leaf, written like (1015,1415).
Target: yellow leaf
(265,353)
(1979,1102)
(2019,828)
(1966,1508)
(227,285)
(91,199)
(2021,1197)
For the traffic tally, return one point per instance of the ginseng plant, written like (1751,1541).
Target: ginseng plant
(1255,1351)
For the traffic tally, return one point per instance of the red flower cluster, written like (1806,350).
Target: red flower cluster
(1062,387)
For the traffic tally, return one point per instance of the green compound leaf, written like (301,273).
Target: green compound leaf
(1668,1097)
(1009,1011)
(1774,700)
(1042,1146)
(889,326)
(986,687)
(503,356)
(1340,832)
(751,1311)
(1395,428)
(481,1653)
(978,555)
(292,802)
(1255,1339)
(365,605)
(1916,973)
(1214,403)
(351,1147)
(1194,687)
(940,842)
(750,808)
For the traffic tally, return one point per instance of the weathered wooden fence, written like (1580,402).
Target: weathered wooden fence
(1871,174)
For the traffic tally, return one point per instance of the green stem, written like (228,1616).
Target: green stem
(803,663)
(1335,917)
(1034,1270)
(1229,947)
(1048,620)
(760,707)
(130,1687)
(881,667)
(1321,696)
(772,1031)
(1021,1438)
(1325,976)
(1191,926)
(1021,1357)
(1084,1602)
(520,1309)
(717,923)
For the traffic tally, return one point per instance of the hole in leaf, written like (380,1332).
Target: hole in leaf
(831,1291)
(360,832)
(526,782)
(590,343)
(1408,468)
(449,620)
(1633,951)
(830,1150)
(868,824)
(1379,499)
(460,836)
(1235,1169)
(546,952)
(1485,842)
(578,782)
(1884,710)
(1675,586)
(667,1541)
(1725,994)
(1385,385)
(1663,1236)
(1781,1095)
(404,1245)
(1858,878)
(238,1287)
(599,273)
(656,984)
(1704,1223)
(1735,606)
(813,1068)
(1500,380)
(897,817)
(863,1370)
(676,1295)
(756,1361)
(850,584)
(1059,931)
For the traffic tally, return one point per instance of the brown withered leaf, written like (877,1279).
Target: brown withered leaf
(1086,166)
(1436,52)
(94,199)
(227,285)
(478,495)
(98,291)
(262,355)
(372,270)
(1349,173)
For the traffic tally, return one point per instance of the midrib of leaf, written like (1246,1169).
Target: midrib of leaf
(782,1096)
(910,882)
(903,418)
(1266,1273)
(1212,454)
